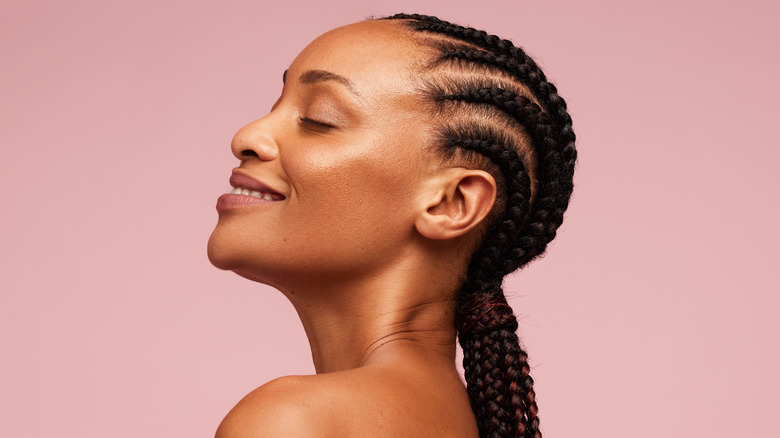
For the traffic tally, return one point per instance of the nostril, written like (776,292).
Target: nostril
(249,153)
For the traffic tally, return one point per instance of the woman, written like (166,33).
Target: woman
(408,166)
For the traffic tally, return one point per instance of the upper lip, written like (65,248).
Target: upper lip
(238,179)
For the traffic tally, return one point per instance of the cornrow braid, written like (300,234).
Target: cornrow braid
(505,56)
(537,183)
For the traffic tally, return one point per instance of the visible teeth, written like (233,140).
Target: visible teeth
(253,193)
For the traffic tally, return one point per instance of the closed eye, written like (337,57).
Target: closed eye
(315,123)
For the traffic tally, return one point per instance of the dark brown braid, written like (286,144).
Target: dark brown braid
(537,185)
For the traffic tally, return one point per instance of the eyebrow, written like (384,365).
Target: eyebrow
(315,76)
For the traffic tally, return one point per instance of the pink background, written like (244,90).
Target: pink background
(654,314)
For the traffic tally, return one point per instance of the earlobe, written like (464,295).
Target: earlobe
(460,202)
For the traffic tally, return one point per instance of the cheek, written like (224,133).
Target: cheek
(355,193)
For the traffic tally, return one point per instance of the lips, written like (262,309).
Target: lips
(247,192)
(253,187)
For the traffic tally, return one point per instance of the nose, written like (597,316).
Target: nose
(254,141)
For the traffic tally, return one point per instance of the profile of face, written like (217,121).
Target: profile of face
(343,153)
(368,193)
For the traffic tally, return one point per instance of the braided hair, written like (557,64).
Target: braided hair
(500,113)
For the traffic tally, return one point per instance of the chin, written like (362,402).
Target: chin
(230,257)
(220,254)
(252,275)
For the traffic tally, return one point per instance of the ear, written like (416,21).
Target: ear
(455,202)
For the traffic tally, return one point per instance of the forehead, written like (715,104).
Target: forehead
(373,55)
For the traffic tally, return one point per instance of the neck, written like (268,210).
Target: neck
(350,324)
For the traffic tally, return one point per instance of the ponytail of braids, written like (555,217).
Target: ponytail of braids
(537,182)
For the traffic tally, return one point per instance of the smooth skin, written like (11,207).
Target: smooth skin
(369,244)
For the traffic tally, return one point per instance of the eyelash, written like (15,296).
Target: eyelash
(315,123)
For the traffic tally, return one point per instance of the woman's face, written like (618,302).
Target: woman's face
(345,147)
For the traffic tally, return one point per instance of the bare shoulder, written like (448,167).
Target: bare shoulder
(288,406)
(369,401)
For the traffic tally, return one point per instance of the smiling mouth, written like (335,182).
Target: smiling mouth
(256,194)
(248,186)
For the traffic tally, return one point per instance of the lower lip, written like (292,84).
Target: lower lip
(228,201)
